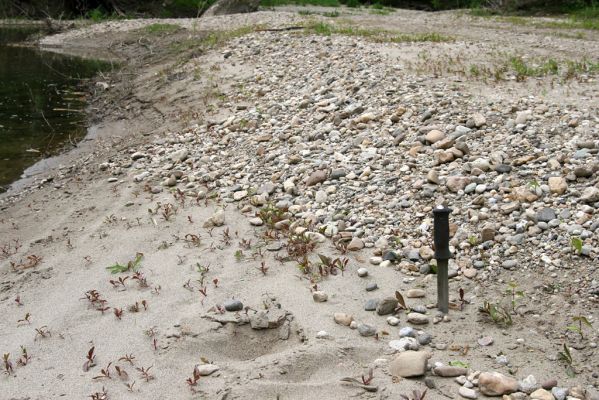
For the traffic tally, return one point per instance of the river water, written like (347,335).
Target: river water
(42,103)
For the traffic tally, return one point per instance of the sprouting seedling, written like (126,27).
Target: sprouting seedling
(187,285)
(565,357)
(134,307)
(168,210)
(576,243)
(128,358)
(263,268)
(156,289)
(155,344)
(215,282)
(582,320)
(118,312)
(203,291)
(499,314)
(120,283)
(18,301)
(90,359)
(25,357)
(145,373)
(104,372)
(239,255)
(25,319)
(121,373)
(141,280)
(131,265)
(462,301)
(189,219)
(144,303)
(103,395)
(130,386)
(193,240)
(368,378)
(512,291)
(8,369)
(42,332)
(195,377)
(103,307)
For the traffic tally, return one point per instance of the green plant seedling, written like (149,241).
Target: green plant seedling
(459,364)
(514,293)
(582,320)
(576,243)
(565,357)
(131,265)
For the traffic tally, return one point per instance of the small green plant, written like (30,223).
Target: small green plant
(460,364)
(473,240)
(576,243)
(498,313)
(131,265)
(582,321)
(161,28)
(565,357)
(513,291)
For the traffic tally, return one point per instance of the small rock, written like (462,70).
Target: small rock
(355,244)
(207,369)
(417,318)
(403,344)
(415,293)
(366,330)
(425,339)
(257,221)
(467,393)
(496,384)
(322,335)
(557,185)
(343,319)
(371,286)
(233,305)
(541,394)
(386,306)
(371,305)
(590,195)
(559,393)
(528,384)
(217,219)
(362,272)
(393,321)
(485,341)
(407,331)
(448,371)
(320,297)
(316,177)
(549,384)
(409,364)
(434,136)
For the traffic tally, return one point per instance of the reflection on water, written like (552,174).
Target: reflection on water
(42,103)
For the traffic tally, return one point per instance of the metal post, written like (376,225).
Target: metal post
(442,254)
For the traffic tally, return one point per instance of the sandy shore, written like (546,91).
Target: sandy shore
(175,175)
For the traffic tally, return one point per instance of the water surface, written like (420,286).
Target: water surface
(42,103)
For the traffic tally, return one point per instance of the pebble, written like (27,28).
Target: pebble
(467,393)
(393,321)
(233,305)
(343,319)
(366,330)
(417,318)
(319,296)
(496,384)
(407,331)
(448,371)
(415,293)
(206,369)
(403,344)
(362,272)
(371,286)
(386,306)
(485,341)
(409,364)
(371,304)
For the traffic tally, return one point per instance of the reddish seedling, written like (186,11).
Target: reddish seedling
(145,373)
(263,268)
(8,369)
(195,377)
(130,386)
(10,248)
(134,307)
(25,357)
(103,395)
(193,240)
(121,373)
(155,344)
(141,280)
(128,358)
(168,210)
(87,259)
(462,301)
(104,373)
(119,283)
(368,378)
(42,332)
(189,219)
(203,291)
(187,285)
(215,282)
(118,312)
(226,237)
(30,262)
(156,290)
(145,305)
(91,360)
(18,301)
(102,308)
(25,319)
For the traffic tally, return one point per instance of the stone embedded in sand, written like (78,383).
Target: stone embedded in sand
(319,297)
(403,344)
(449,371)
(434,136)
(467,393)
(415,293)
(485,341)
(343,319)
(456,183)
(409,364)
(528,384)
(233,305)
(366,330)
(355,244)
(386,306)
(590,195)
(207,369)
(273,318)
(496,384)
(217,219)
(393,321)
(256,221)
(180,155)
(240,195)
(417,318)
(541,394)
(316,177)
(557,185)
(362,272)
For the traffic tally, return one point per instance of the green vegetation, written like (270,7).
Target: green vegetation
(376,35)
(322,3)
(161,28)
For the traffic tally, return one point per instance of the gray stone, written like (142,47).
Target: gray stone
(546,214)
(448,371)
(425,339)
(559,393)
(386,306)
(371,304)
(366,330)
(409,364)
(371,286)
(233,305)
(417,318)
(403,344)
